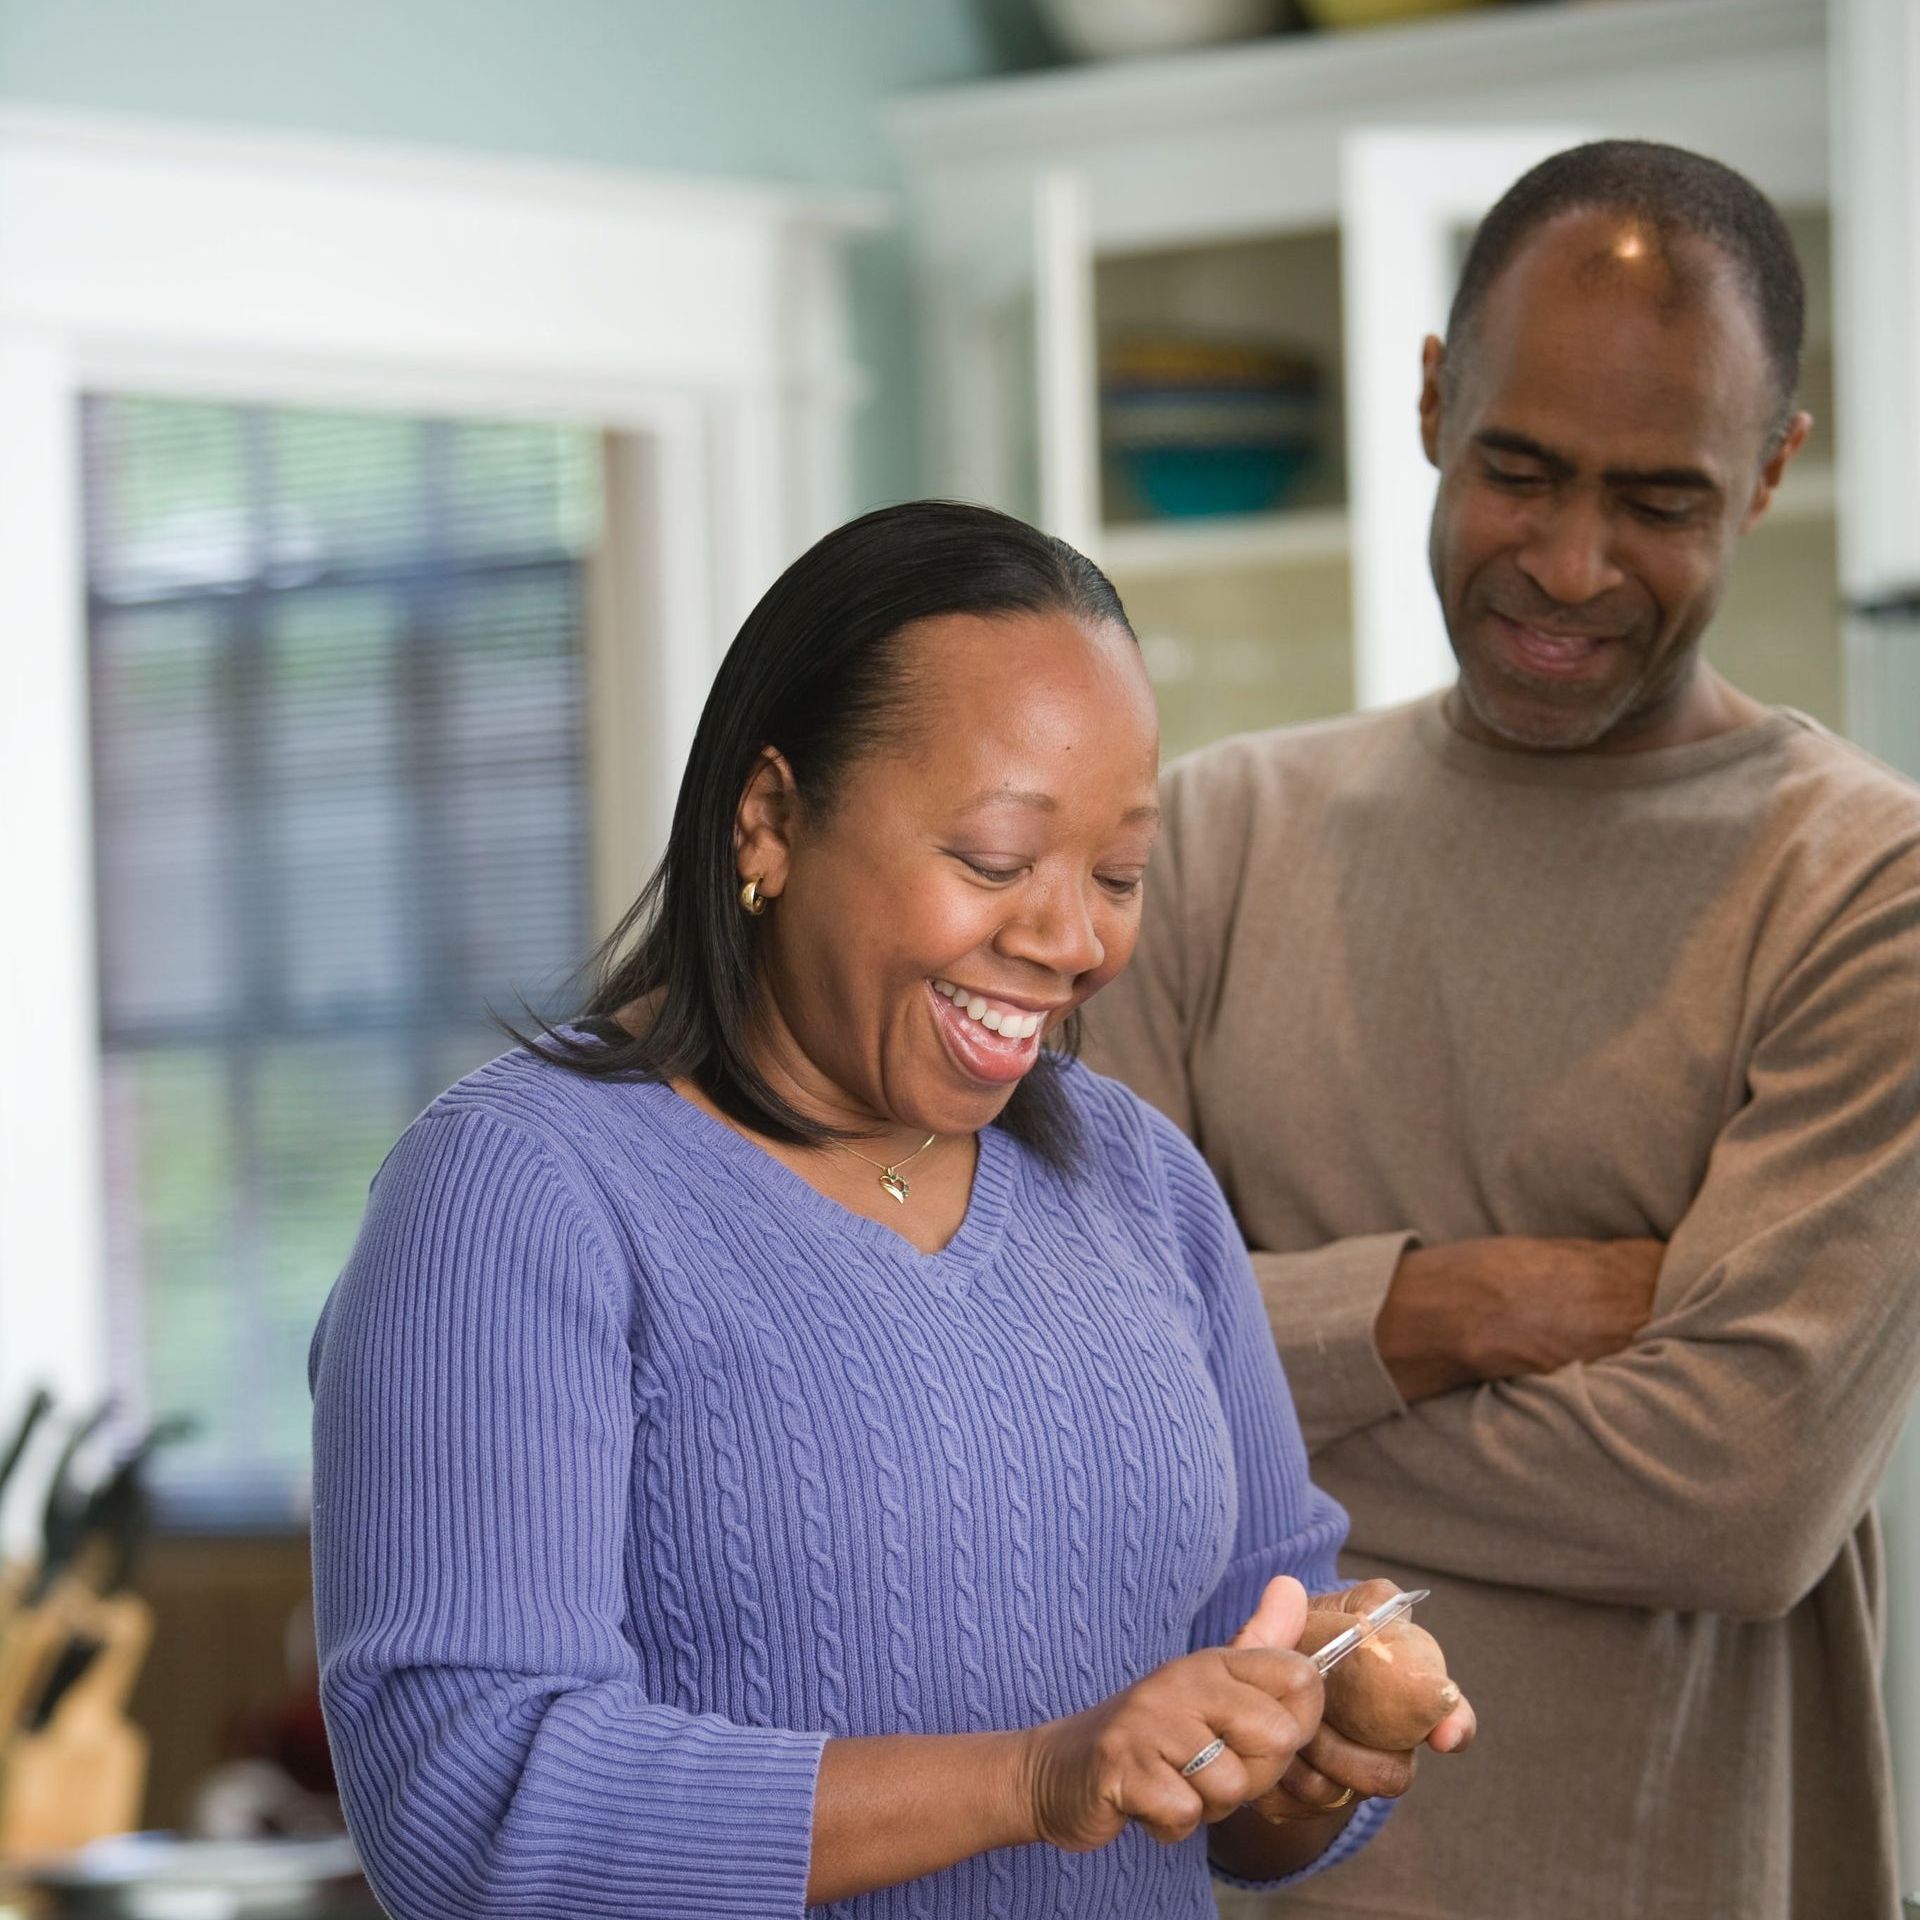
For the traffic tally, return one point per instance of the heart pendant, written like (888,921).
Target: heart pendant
(894,1185)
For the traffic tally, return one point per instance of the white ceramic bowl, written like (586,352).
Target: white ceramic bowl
(1117,29)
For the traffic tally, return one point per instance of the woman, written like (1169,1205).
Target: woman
(795,1434)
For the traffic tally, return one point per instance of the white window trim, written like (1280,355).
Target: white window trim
(703,324)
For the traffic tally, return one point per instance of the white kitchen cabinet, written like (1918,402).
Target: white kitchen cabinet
(1315,191)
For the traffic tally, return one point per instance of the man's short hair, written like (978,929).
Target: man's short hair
(1677,194)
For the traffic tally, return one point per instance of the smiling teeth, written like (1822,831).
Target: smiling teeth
(1007,1024)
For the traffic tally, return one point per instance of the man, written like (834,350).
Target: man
(1557,1040)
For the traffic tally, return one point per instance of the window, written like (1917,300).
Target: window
(340,810)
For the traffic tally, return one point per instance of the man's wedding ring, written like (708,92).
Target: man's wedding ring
(1204,1758)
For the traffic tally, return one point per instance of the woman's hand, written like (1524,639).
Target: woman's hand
(1331,1770)
(1089,1775)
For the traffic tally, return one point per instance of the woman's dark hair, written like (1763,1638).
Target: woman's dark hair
(814,673)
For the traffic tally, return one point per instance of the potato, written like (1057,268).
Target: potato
(1389,1693)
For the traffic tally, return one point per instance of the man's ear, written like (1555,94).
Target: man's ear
(1433,379)
(763,826)
(1774,467)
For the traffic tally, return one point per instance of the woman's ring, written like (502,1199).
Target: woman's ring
(1334,1806)
(1204,1758)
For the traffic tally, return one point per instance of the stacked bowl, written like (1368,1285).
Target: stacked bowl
(1192,425)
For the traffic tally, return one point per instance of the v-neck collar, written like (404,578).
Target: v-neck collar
(786,1191)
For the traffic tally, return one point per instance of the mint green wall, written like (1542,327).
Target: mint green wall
(783,90)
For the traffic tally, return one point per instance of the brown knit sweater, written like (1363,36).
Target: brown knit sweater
(1398,984)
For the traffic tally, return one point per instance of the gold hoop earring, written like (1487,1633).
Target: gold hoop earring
(752,898)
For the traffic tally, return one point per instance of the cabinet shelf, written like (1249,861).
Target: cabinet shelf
(1155,549)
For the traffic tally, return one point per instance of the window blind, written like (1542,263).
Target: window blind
(340,811)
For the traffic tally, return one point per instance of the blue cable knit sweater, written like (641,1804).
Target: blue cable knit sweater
(641,1468)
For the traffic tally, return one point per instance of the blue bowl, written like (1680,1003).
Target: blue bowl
(1189,483)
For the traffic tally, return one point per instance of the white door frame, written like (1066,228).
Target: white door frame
(1403,198)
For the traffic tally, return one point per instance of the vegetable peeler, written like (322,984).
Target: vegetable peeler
(1364,1628)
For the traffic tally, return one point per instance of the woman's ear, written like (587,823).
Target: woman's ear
(763,826)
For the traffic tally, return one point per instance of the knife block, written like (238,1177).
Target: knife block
(81,1776)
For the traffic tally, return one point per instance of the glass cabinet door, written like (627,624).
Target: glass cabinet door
(1172,406)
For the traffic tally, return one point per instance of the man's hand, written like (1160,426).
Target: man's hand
(1491,1309)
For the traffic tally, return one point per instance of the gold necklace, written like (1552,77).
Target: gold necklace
(890,1176)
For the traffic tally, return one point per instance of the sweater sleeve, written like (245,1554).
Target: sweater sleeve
(1286,1523)
(1321,1306)
(473,1443)
(1719,1462)
(1321,1303)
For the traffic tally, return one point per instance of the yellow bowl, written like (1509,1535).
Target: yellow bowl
(1339,15)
